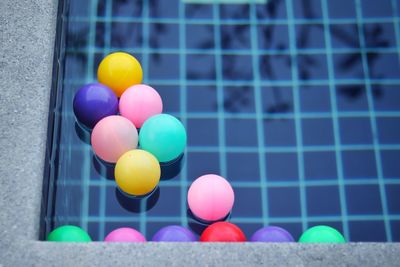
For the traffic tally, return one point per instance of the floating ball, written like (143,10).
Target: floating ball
(125,234)
(322,234)
(140,102)
(174,233)
(93,102)
(112,137)
(119,71)
(69,233)
(272,234)
(163,136)
(137,172)
(222,232)
(210,197)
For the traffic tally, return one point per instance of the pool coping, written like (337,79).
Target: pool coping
(27,33)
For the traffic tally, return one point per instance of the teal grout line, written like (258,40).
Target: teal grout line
(374,126)
(335,119)
(275,21)
(103,194)
(145,68)
(183,104)
(255,220)
(86,158)
(259,119)
(297,111)
(220,92)
(234,52)
(396,25)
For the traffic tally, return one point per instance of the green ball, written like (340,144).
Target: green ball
(68,233)
(322,234)
(163,136)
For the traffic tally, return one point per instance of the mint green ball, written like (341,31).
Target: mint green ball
(322,234)
(69,233)
(163,136)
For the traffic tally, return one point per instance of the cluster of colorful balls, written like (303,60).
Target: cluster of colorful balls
(162,139)
(115,108)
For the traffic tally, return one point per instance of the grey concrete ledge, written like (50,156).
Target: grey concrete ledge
(27,30)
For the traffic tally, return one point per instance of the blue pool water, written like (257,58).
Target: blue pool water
(295,102)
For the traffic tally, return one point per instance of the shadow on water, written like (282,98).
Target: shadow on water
(104,169)
(198,225)
(83,133)
(170,170)
(137,204)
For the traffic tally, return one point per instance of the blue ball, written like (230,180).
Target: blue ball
(94,102)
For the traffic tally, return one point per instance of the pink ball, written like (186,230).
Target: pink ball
(140,102)
(112,137)
(210,197)
(125,234)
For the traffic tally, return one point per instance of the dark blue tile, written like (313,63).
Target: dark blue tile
(355,131)
(202,99)
(279,132)
(367,231)
(341,9)
(386,97)
(274,9)
(295,229)
(383,66)
(389,130)
(200,36)
(239,99)
(160,66)
(127,8)
(351,98)
(236,171)
(275,67)
(234,11)
(377,9)
(312,67)
(235,37)
(247,203)
(241,132)
(282,166)
(273,37)
(310,36)
(93,231)
(200,67)
(94,200)
(164,35)
(78,9)
(359,164)
(237,67)
(390,163)
(323,200)
(77,34)
(317,132)
(379,35)
(126,35)
(307,9)
(203,132)
(363,200)
(68,201)
(395,230)
(171,97)
(277,99)
(284,202)
(199,163)
(164,8)
(348,66)
(76,66)
(248,228)
(393,198)
(198,11)
(320,165)
(315,99)
(344,36)
(168,204)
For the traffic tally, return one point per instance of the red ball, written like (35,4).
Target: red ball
(222,232)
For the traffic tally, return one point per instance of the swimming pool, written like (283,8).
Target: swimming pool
(298,108)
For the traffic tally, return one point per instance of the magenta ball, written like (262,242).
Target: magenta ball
(112,137)
(140,102)
(272,234)
(174,233)
(210,197)
(125,234)
(94,102)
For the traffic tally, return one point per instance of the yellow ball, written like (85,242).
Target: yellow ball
(137,172)
(119,71)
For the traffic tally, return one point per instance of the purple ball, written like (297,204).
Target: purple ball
(94,102)
(272,234)
(174,233)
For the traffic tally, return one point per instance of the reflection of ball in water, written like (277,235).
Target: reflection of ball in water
(322,234)
(222,232)
(119,71)
(140,102)
(112,137)
(210,197)
(125,234)
(137,172)
(272,234)
(163,136)
(69,233)
(174,233)
(94,102)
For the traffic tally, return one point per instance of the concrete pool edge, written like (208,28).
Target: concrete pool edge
(27,30)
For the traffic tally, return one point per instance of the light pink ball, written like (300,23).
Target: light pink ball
(210,197)
(140,102)
(125,234)
(112,137)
